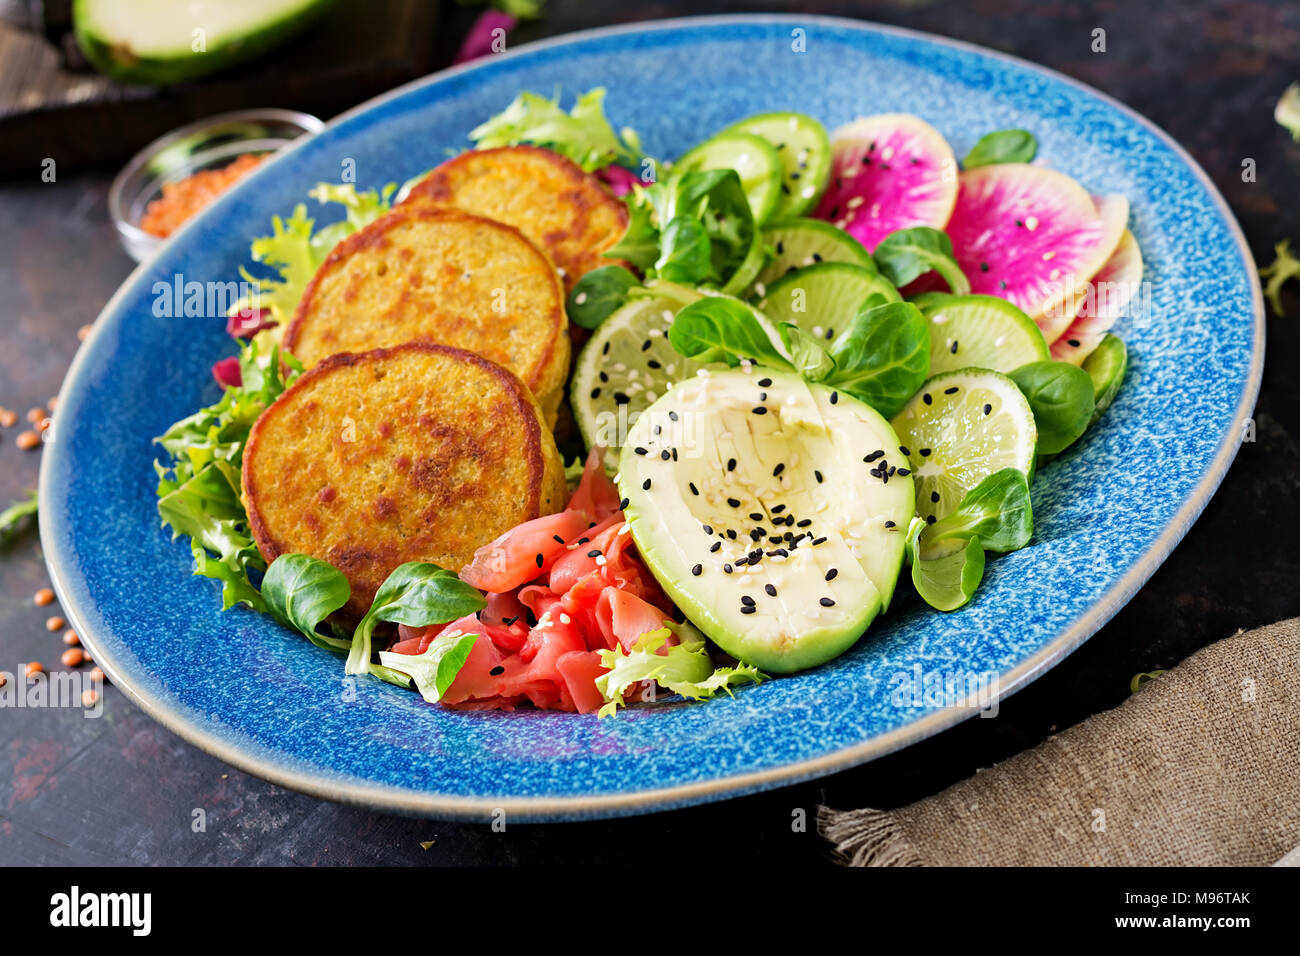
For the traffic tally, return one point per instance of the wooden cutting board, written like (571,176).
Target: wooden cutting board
(54,107)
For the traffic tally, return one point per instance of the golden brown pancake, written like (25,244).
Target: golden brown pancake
(544,195)
(418,452)
(429,274)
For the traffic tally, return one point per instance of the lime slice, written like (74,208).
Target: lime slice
(822,299)
(796,243)
(960,428)
(981,331)
(753,159)
(805,152)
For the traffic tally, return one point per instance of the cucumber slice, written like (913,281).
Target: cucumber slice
(805,152)
(960,428)
(753,159)
(821,299)
(981,331)
(1106,367)
(153,41)
(797,243)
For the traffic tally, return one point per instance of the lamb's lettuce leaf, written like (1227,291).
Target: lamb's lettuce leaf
(434,670)
(12,517)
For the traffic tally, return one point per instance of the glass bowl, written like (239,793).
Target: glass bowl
(204,144)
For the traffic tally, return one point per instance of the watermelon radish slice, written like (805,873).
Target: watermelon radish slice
(888,172)
(1113,210)
(1111,291)
(1024,233)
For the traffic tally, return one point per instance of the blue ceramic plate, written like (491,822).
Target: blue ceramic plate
(1107,513)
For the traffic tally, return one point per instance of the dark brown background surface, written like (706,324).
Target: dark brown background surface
(122,789)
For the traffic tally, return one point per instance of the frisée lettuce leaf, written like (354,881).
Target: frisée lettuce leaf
(199,481)
(584,135)
(684,668)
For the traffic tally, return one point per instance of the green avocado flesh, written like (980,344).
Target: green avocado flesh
(711,483)
(168,41)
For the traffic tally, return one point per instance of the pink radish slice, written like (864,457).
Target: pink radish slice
(1110,292)
(1113,210)
(1028,234)
(888,172)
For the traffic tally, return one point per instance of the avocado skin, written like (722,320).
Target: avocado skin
(121,65)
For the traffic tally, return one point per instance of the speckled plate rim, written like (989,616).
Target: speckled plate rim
(71,590)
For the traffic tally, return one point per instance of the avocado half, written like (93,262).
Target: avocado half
(161,42)
(773,511)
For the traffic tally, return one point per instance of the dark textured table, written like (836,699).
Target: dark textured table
(122,789)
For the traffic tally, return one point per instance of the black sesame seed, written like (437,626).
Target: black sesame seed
(694,490)
(645,485)
(708,528)
(665,454)
(835,398)
(731,533)
(770,589)
(950,391)
(778,469)
(654,363)
(604,377)
(539,559)
(830,575)
(595,393)
(927,399)
(747,609)
(804,523)
(826,602)
(1002,283)
(726,569)
(507,621)
(988,409)
(497,671)
(902,471)
(645,346)
(889,524)
(1073,343)
(697,570)
(817,541)
(755,516)
(904,450)
(731,464)
(673,416)
(878,453)
(716,545)
(765,382)
(934,496)
(984,267)
(777,509)
(557,539)
(925,452)
(818,476)
(734,502)
(746,600)
(621,398)
(759,410)
(953,347)
(594,553)
(605,350)
(639,450)
(929,519)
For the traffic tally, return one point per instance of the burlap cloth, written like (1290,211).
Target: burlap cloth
(1201,767)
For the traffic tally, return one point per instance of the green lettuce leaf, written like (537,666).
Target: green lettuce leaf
(684,668)
(583,134)
(13,516)
(295,249)
(1284,268)
(199,483)
(435,669)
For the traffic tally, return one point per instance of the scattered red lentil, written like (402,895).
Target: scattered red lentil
(27,440)
(34,415)
(96,674)
(184,198)
(43,597)
(55,623)
(83,333)
(52,404)
(89,698)
(34,667)
(70,638)
(3,680)
(72,657)
(8,417)
(44,425)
